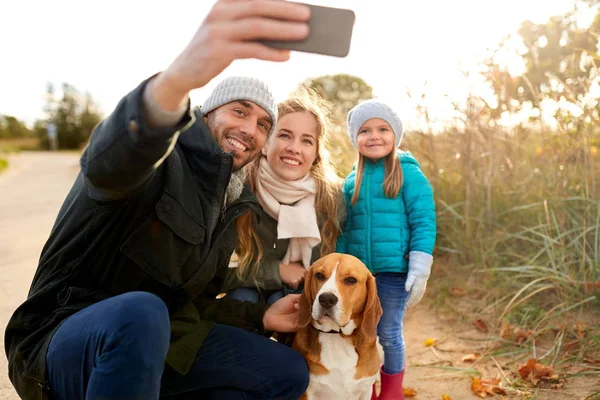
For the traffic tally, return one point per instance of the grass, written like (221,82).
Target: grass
(519,235)
(17,145)
(8,146)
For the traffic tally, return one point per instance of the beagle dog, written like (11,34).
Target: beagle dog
(339,313)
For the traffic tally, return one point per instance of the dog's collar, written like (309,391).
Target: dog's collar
(331,331)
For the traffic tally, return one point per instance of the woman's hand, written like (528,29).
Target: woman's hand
(292,274)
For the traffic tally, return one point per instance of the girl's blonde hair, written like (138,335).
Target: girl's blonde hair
(249,248)
(393,176)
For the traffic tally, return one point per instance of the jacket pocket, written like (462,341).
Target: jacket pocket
(164,242)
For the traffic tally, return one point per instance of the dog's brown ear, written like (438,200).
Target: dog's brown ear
(372,311)
(305,312)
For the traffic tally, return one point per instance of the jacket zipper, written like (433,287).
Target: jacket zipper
(368,208)
(223,203)
(236,204)
(224,207)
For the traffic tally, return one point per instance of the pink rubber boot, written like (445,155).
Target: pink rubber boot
(391,386)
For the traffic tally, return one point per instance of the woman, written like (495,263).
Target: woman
(299,192)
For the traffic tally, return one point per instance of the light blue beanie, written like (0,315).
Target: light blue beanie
(242,88)
(373,108)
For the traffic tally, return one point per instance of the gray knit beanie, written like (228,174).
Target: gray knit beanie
(242,88)
(373,108)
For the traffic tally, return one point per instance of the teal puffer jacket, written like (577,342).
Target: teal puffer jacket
(380,231)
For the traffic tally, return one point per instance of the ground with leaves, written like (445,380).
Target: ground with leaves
(450,354)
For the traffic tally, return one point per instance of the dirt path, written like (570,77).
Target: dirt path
(31,193)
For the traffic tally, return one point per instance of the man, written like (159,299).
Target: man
(129,275)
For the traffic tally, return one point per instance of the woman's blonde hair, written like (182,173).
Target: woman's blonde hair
(393,176)
(249,248)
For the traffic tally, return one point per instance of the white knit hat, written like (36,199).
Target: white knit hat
(242,88)
(373,108)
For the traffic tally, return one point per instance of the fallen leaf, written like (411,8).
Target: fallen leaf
(526,369)
(486,387)
(409,392)
(480,325)
(557,386)
(470,357)
(542,371)
(457,292)
(534,372)
(494,384)
(430,342)
(480,389)
(491,381)
(446,397)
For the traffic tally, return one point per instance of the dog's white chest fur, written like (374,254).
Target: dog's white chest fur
(340,358)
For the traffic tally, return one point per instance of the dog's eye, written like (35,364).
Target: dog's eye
(350,280)
(320,276)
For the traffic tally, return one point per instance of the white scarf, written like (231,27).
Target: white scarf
(292,204)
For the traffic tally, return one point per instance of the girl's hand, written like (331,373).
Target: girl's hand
(292,274)
(419,268)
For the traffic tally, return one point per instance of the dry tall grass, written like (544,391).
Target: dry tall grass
(519,213)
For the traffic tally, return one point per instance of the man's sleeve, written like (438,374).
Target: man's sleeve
(125,150)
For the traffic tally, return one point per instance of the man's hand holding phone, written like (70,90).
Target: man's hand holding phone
(231,30)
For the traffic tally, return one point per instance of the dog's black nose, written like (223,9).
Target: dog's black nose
(328,300)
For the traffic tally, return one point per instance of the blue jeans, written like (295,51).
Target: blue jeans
(115,349)
(253,295)
(393,297)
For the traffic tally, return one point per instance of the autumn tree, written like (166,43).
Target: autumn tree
(560,63)
(560,60)
(74,114)
(11,128)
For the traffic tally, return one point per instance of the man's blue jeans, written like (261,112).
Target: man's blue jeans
(115,349)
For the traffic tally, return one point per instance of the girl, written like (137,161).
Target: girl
(390,227)
(297,188)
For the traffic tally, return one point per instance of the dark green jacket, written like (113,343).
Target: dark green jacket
(145,214)
(267,273)
(274,250)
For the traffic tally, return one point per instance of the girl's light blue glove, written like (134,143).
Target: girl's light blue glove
(419,268)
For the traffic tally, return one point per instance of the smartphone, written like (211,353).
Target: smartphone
(330,33)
